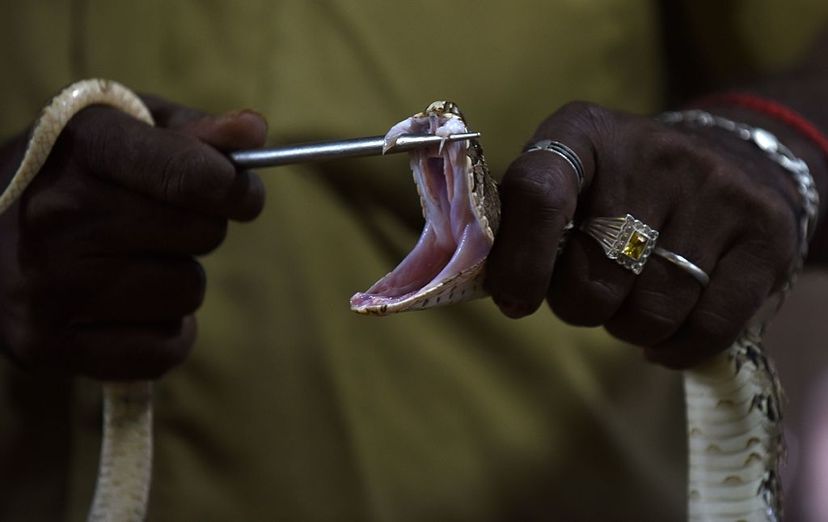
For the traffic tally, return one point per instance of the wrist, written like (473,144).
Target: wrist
(790,170)
(809,149)
(804,140)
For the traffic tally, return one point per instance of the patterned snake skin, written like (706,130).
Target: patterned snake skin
(122,488)
(733,410)
(733,400)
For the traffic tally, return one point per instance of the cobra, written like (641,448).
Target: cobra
(733,408)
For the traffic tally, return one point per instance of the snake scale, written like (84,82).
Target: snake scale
(122,488)
(733,400)
(733,407)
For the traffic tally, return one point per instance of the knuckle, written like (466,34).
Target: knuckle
(195,176)
(79,128)
(527,184)
(193,287)
(532,190)
(660,308)
(177,180)
(43,214)
(210,235)
(771,236)
(648,324)
(586,302)
(254,200)
(730,190)
(127,351)
(585,116)
(777,220)
(181,344)
(51,206)
(669,150)
(172,291)
(94,132)
(584,110)
(170,346)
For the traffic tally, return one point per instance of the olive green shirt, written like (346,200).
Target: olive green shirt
(293,408)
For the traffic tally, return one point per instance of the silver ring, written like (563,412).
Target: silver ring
(627,240)
(683,263)
(564,152)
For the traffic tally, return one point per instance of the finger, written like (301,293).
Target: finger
(166,231)
(655,308)
(244,129)
(587,288)
(169,114)
(98,217)
(538,196)
(233,130)
(664,294)
(106,219)
(129,351)
(165,165)
(132,290)
(638,164)
(740,283)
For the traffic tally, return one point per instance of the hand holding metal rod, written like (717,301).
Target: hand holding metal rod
(328,150)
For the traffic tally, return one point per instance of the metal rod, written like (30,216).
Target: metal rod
(328,150)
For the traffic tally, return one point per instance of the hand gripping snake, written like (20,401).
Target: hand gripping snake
(733,415)
(122,489)
(733,400)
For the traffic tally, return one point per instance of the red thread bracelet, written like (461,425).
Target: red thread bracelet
(774,109)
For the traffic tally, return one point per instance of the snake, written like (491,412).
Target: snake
(733,400)
(123,482)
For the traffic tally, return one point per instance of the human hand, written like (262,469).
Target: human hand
(98,274)
(713,199)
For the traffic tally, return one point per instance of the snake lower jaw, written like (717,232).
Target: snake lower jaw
(459,287)
(433,274)
(446,265)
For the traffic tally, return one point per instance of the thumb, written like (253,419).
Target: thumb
(241,129)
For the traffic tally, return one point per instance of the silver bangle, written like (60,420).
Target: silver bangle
(776,151)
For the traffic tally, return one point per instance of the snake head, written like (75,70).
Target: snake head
(461,210)
(443,108)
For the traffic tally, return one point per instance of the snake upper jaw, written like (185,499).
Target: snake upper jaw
(461,211)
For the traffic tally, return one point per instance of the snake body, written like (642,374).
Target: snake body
(733,408)
(122,488)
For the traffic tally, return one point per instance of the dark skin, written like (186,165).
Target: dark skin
(99,254)
(98,259)
(715,199)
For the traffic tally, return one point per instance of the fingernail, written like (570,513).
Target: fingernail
(231,115)
(511,308)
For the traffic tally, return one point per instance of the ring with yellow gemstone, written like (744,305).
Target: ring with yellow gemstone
(627,240)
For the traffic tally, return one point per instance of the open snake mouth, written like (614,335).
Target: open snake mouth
(456,237)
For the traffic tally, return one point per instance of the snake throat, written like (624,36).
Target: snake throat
(446,264)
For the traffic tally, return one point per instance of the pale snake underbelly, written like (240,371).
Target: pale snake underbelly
(733,408)
(122,488)
(733,421)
